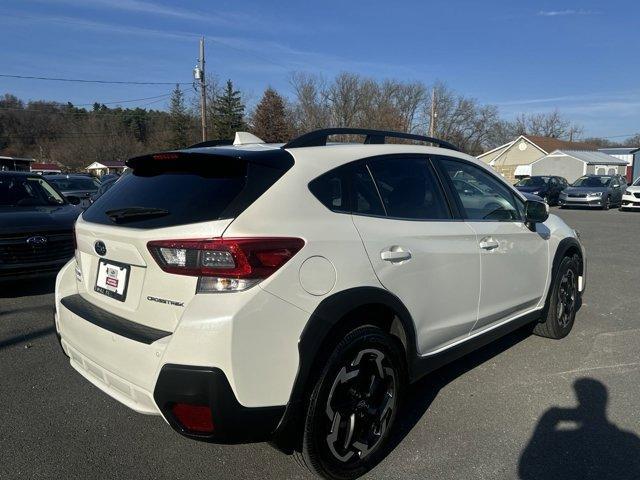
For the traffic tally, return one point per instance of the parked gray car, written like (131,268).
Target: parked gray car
(599,191)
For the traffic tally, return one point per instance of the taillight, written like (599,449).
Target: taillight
(194,418)
(225,264)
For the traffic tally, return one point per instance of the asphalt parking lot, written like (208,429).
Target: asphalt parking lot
(507,411)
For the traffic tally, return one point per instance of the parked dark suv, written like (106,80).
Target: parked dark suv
(36,226)
(546,187)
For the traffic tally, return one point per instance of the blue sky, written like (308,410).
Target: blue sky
(524,56)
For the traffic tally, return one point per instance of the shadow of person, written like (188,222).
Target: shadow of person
(581,443)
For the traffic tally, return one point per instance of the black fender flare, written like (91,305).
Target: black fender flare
(563,247)
(322,321)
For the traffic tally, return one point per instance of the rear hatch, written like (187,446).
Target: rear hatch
(174,196)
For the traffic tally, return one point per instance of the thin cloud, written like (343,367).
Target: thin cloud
(152,8)
(565,13)
(252,53)
(222,18)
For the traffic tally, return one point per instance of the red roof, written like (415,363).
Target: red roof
(549,144)
(113,163)
(44,166)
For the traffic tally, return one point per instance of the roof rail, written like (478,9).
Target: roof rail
(211,143)
(318,138)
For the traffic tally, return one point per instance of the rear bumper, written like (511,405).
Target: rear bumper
(239,357)
(233,423)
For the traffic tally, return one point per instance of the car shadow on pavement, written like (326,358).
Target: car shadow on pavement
(421,394)
(27,288)
(43,332)
(581,443)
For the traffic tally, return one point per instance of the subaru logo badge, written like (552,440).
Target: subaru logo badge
(37,240)
(100,248)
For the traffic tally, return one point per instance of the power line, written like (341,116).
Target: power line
(79,80)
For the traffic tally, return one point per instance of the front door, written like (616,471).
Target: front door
(513,259)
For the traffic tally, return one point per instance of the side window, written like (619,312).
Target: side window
(409,188)
(482,196)
(331,190)
(553,182)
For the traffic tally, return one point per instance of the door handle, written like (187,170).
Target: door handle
(395,255)
(488,243)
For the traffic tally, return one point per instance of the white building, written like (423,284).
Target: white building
(573,164)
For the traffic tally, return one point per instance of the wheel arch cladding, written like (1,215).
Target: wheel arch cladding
(334,316)
(568,247)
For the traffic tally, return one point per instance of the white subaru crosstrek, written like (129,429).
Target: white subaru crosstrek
(290,293)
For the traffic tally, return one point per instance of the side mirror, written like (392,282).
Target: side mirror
(73,200)
(535,212)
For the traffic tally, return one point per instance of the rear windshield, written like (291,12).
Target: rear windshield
(79,183)
(533,182)
(160,198)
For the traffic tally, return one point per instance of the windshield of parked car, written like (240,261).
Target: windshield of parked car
(75,183)
(18,191)
(592,181)
(637,182)
(533,182)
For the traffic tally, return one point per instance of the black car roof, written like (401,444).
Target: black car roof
(13,173)
(68,175)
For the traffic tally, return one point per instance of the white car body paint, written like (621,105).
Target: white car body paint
(449,285)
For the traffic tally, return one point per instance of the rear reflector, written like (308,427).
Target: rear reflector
(225,264)
(194,418)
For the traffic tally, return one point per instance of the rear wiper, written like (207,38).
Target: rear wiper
(122,215)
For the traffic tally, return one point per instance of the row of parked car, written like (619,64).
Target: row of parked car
(595,191)
(37,214)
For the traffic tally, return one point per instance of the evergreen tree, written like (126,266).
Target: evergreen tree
(228,113)
(179,119)
(270,118)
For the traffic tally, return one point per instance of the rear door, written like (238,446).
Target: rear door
(187,199)
(514,259)
(417,249)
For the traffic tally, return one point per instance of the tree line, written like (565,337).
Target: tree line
(75,137)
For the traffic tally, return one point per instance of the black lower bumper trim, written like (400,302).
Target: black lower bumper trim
(118,325)
(233,422)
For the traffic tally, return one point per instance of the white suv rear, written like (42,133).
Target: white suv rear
(289,293)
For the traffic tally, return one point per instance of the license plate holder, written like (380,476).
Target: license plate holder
(112,279)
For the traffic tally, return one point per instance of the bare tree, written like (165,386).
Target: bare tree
(460,120)
(633,141)
(551,124)
(310,109)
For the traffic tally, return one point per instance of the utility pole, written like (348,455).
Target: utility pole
(434,114)
(198,74)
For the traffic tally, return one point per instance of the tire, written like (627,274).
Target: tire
(353,405)
(563,302)
(607,204)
